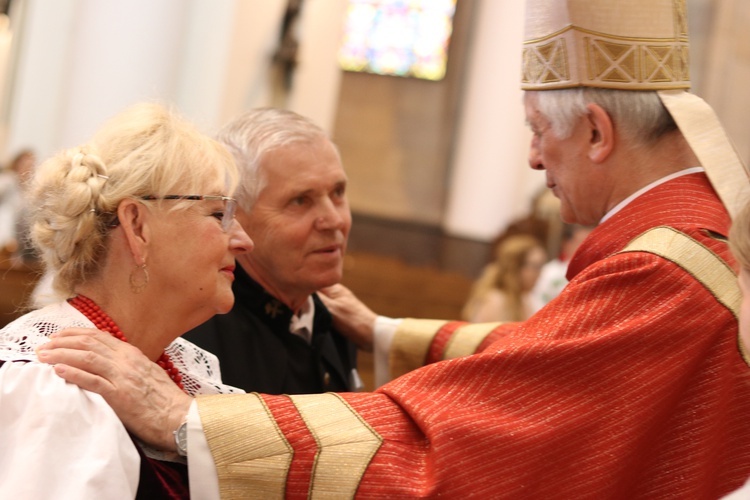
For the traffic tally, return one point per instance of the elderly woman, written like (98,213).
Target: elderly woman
(139,231)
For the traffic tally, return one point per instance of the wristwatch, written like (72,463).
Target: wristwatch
(180,439)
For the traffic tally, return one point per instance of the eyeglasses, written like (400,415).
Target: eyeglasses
(226,217)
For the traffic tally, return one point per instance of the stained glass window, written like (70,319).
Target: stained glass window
(398,37)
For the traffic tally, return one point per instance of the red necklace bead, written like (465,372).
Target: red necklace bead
(103,322)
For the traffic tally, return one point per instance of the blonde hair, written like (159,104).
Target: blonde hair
(739,237)
(145,150)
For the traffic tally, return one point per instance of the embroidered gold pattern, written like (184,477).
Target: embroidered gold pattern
(273,308)
(252,455)
(346,444)
(609,61)
(622,63)
(546,63)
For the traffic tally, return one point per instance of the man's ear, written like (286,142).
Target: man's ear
(602,138)
(134,220)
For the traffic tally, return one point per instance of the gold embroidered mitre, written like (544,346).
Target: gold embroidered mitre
(618,44)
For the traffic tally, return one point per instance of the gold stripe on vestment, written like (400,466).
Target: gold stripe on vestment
(466,339)
(346,444)
(704,265)
(411,344)
(252,455)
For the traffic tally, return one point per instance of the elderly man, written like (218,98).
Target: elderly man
(630,384)
(278,338)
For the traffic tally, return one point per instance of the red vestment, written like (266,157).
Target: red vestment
(630,384)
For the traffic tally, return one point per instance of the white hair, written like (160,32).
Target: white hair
(639,115)
(252,135)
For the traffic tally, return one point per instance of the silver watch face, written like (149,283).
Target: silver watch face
(180,439)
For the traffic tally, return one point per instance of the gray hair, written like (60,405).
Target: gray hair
(145,150)
(639,115)
(252,135)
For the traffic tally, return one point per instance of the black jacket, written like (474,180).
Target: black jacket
(258,354)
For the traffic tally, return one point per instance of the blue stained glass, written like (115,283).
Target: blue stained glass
(398,37)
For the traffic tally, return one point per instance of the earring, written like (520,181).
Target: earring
(139,278)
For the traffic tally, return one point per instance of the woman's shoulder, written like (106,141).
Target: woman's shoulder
(37,406)
(33,388)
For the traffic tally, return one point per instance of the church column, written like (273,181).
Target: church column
(318,76)
(491,182)
(83,61)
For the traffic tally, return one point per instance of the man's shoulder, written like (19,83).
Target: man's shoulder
(686,204)
(653,255)
(236,323)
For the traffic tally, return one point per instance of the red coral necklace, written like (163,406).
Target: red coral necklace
(103,322)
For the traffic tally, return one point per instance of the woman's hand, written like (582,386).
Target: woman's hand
(146,400)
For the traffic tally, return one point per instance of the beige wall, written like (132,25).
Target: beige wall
(396,136)
(395,139)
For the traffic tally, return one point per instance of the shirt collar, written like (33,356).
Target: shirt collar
(301,323)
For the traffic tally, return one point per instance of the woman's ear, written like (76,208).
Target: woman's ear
(602,139)
(134,220)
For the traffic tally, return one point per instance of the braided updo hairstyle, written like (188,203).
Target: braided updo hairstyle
(145,150)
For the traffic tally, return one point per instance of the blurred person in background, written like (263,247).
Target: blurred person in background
(552,278)
(13,180)
(503,291)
